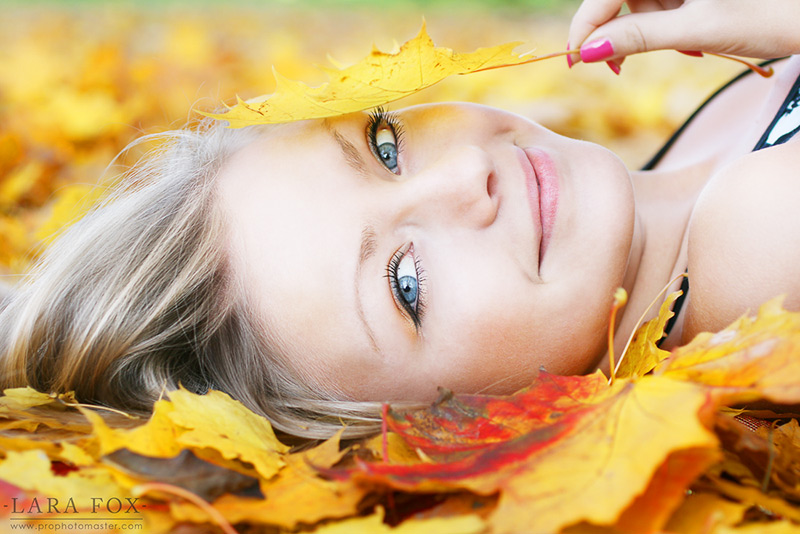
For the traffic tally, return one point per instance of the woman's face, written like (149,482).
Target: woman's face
(443,245)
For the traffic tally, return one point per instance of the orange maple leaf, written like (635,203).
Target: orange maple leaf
(561,441)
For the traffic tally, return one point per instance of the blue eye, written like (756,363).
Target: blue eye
(406,280)
(383,136)
(408,289)
(387,148)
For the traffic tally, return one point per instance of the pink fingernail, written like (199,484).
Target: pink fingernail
(569,57)
(598,50)
(693,53)
(614,67)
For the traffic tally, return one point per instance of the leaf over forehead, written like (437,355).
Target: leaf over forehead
(378,79)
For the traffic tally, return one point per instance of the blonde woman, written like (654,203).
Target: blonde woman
(315,269)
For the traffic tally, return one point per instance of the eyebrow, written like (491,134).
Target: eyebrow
(351,154)
(369,244)
(369,239)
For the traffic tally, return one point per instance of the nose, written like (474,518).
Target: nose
(459,187)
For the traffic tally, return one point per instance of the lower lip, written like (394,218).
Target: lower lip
(543,194)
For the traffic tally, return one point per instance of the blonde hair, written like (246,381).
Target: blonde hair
(138,298)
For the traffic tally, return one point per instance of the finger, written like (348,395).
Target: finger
(591,15)
(640,32)
(644,6)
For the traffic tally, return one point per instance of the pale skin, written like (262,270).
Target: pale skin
(316,217)
(743,215)
(748,28)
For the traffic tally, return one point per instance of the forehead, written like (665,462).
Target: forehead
(294,222)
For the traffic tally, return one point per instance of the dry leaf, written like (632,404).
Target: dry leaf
(31,470)
(468,524)
(378,79)
(644,354)
(561,441)
(650,511)
(218,422)
(157,437)
(701,513)
(754,358)
(777,527)
(296,495)
(774,506)
(185,470)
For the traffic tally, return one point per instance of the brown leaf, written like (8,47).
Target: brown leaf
(186,470)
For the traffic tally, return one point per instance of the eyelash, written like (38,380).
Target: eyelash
(380,117)
(391,274)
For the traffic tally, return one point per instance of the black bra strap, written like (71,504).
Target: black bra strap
(650,165)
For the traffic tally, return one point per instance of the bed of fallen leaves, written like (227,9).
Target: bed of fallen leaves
(705,439)
(702,440)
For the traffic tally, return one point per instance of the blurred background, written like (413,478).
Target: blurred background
(79,80)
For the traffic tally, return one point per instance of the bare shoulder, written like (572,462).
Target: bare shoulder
(744,239)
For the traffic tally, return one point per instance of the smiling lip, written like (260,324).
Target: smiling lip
(541,181)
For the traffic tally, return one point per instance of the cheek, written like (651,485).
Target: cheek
(485,340)
(497,340)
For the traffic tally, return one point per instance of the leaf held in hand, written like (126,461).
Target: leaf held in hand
(376,80)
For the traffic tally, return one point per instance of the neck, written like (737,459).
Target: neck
(664,203)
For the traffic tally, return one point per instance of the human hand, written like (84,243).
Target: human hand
(750,28)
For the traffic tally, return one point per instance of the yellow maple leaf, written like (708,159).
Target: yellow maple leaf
(213,424)
(22,398)
(753,358)
(218,422)
(644,354)
(296,495)
(376,80)
(31,470)
(157,437)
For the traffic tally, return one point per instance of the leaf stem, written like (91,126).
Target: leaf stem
(620,299)
(96,407)
(765,72)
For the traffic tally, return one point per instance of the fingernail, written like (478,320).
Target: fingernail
(569,57)
(693,53)
(597,51)
(614,67)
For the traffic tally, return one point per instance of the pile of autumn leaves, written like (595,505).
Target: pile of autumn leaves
(663,447)
(704,440)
